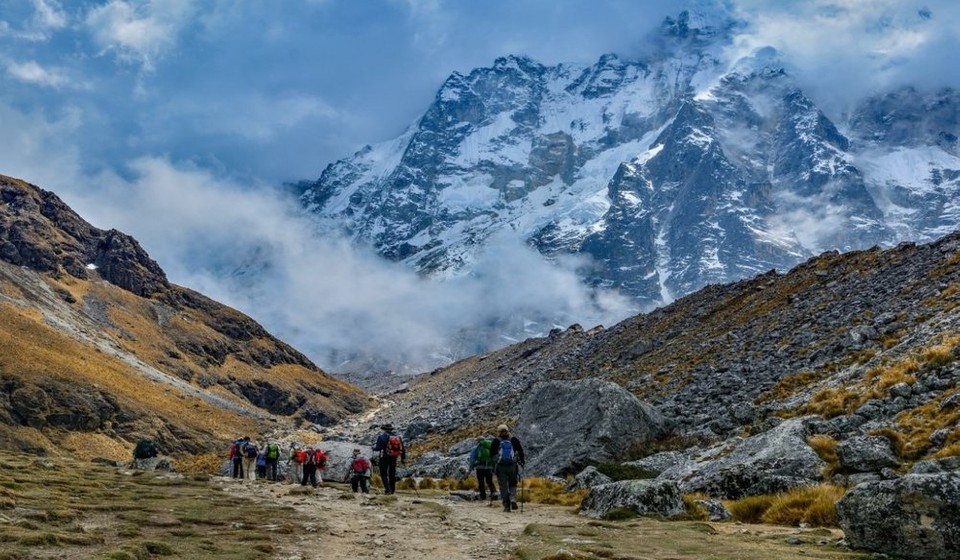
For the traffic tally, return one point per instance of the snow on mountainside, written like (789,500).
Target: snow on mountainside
(670,172)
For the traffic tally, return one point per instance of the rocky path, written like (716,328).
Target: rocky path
(338,524)
(402,527)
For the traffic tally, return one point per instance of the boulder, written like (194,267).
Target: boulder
(152,464)
(588,478)
(665,461)
(339,458)
(462,447)
(866,454)
(916,516)
(644,497)
(715,509)
(774,461)
(568,425)
(933,466)
(435,465)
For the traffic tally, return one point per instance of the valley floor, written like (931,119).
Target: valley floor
(63,508)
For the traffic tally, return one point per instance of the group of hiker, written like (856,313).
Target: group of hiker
(501,457)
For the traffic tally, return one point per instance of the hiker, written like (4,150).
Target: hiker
(297,459)
(236,456)
(483,461)
(360,472)
(509,459)
(315,460)
(390,447)
(250,453)
(262,464)
(272,457)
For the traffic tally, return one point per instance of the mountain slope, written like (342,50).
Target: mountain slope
(866,340)
(96,341)
(672,171)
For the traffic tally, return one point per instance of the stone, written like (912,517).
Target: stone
(916,516)
(152,464)
(932,466)
(588,478)
(715,509)
(866,454)
(463,447)
(662,462)
(645,497)
(436,465)
(774,461)
(950,403)
(567,425)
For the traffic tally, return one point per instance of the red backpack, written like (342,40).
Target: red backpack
(234,450)
(360,465)
(300,456)
(394,447)
(318,458)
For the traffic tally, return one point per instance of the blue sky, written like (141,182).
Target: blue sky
(174,121)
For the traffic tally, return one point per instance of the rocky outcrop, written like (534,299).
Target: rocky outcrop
(774,461)
(435,465)
(643,497)
(917,516)
(866,454)
(567,425)
(588,478)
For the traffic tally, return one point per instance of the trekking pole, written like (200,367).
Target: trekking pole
(520,477)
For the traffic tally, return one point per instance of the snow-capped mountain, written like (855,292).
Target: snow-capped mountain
(678,169)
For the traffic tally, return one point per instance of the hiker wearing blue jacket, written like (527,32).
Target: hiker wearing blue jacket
(483,460)
(509,460)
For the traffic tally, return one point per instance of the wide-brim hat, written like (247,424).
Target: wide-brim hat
(387,427)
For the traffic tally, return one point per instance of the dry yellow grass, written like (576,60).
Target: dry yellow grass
(826,448)
(86,446)
(813,505)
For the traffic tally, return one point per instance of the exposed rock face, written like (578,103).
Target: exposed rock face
(435,465)
(645,497)
(866,454)
(567,425)
(588,478)
(917,516)
(771,462)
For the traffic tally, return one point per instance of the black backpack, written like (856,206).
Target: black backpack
(250,451)
(145,449)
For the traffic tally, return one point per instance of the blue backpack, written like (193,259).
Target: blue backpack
(505,454)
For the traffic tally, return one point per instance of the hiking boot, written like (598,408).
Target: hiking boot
(513,505)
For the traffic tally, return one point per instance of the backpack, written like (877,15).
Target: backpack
(234,450)
(316,458)
(394,447)
(273,451)
(300,456)
(145,449)
(250,451)
(484,459)
(506,451)
(360,465)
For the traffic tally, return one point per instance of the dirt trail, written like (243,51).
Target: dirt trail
(400,527)
(338,524)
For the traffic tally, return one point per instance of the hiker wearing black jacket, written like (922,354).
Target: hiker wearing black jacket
(509,461)
(390,448)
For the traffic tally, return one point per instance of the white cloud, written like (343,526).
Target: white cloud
(49,14)
(33,73)
(254,249)
(261,118)
(139,31)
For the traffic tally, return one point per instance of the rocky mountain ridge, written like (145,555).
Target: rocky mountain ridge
(97,341)
(672,171)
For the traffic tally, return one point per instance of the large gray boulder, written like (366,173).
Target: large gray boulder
(339,458)
(436,465)
(644,497)
(565,426)
(916,516)
(866,454)
(774,461)
(588,478)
